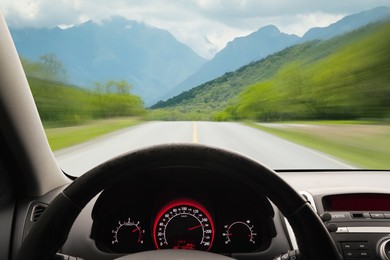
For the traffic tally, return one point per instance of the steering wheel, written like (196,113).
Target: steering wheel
(52,229)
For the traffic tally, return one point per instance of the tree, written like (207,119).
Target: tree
(49,67)
(121,87)
(52,67)
(114,99)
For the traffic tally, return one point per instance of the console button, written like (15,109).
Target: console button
(377,215)
(351,253)
(342,230)
(361,254)
(364,253)
(346,245)
(361,245)
(354,245)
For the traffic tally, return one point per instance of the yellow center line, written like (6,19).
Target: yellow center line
(194,133)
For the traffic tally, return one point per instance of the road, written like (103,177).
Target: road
(263,147)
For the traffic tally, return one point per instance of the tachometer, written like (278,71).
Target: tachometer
(127,235)
(183,224)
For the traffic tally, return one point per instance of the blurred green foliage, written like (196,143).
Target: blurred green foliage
(61,137)
(362,144)
(346,77)
(49,67)
(62,105)
(175,115)
(353,82)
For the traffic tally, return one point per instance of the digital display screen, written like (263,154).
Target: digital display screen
(357,202)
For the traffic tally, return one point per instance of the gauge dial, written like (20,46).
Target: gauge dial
(240,235)
(183,224)
(127,234)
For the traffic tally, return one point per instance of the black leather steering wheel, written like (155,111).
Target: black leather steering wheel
(51,231)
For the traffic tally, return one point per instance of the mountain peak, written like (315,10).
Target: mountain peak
(268,40)
(269,29)
(348,23)
(239,52)
(120,22)
(114,49)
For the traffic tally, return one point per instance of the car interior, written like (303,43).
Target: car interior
(213,203)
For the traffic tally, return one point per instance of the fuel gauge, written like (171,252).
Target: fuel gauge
(128,235)
(240,236)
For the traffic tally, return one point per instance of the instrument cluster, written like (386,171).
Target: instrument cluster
(182,209)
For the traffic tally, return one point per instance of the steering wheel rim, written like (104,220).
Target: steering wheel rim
(52,229)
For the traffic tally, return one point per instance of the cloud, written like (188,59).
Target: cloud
(204,25)
(299,24)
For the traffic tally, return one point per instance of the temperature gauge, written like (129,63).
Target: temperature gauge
(240,236)
(128,235)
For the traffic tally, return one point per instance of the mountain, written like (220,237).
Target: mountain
(347,24)
(351,82)
(269,40)
(239,52)
(285,82)
(150,59)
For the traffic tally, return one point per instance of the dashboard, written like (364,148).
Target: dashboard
(125,218)
(182,209)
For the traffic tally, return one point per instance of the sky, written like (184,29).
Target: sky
(204,25)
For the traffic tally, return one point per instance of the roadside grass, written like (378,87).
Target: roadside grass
(336,122)
(361,144)
(62,137)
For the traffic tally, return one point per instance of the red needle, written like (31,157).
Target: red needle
(198,226)
(134,230)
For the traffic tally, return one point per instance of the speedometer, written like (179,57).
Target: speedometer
(183,224)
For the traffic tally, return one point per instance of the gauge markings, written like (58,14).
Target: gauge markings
(239,232)
(183,224)
(128,233)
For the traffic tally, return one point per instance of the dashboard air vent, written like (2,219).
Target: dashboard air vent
(37,211)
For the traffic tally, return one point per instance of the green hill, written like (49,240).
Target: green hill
(60,104)
(344,77)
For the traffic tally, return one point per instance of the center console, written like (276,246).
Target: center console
(362,223)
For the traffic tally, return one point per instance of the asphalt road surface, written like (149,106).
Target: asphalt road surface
(263,147)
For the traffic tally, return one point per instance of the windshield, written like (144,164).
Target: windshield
(291,84)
